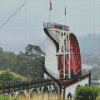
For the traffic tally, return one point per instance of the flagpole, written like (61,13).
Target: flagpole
(50,10)
(64,44)
(49,15)
(65,20)
(68,43)
(65,16)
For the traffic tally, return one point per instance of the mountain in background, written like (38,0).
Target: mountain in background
(89,44)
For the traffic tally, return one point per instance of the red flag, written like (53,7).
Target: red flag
(65,10)
(50,5)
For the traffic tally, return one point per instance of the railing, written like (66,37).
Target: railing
(12,86)
(55,25)
(7,87)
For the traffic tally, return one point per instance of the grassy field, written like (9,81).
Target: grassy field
(16,75)
(36,97)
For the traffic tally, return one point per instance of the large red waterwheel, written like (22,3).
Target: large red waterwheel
(75,58)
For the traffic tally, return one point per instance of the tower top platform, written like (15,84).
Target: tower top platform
(52,25)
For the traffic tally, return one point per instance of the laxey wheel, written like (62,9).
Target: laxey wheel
(75,59)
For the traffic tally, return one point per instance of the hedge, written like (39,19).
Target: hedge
(87,93)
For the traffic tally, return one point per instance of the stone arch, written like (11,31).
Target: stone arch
(77,86)
(45,93)
(22,94)
(28,92)
(53,91)
(45,90)
(40,89)
(53,94)
(86,84)
(50,89)
(12,95)
(69,95)
(33,93)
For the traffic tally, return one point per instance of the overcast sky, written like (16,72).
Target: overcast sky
(21,22)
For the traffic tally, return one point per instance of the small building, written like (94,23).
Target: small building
(95,83)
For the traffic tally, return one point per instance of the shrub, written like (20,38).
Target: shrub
(14,99)
(4,98)
(86,93)
(17,78)
(7,76)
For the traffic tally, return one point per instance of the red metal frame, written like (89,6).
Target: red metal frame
(75,59)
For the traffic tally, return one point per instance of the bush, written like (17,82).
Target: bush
(4,98)
(14,99)
(17,78)
(7,76)
(86,93)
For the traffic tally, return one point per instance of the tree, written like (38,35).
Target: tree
(26,63)
(1,50)
(29,63)
(7,60)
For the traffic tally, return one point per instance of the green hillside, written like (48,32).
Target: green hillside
(15,75)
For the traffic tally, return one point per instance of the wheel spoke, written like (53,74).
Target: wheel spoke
(75,60)
(75,55)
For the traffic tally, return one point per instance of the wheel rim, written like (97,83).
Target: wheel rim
(75,55)
(75,58)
